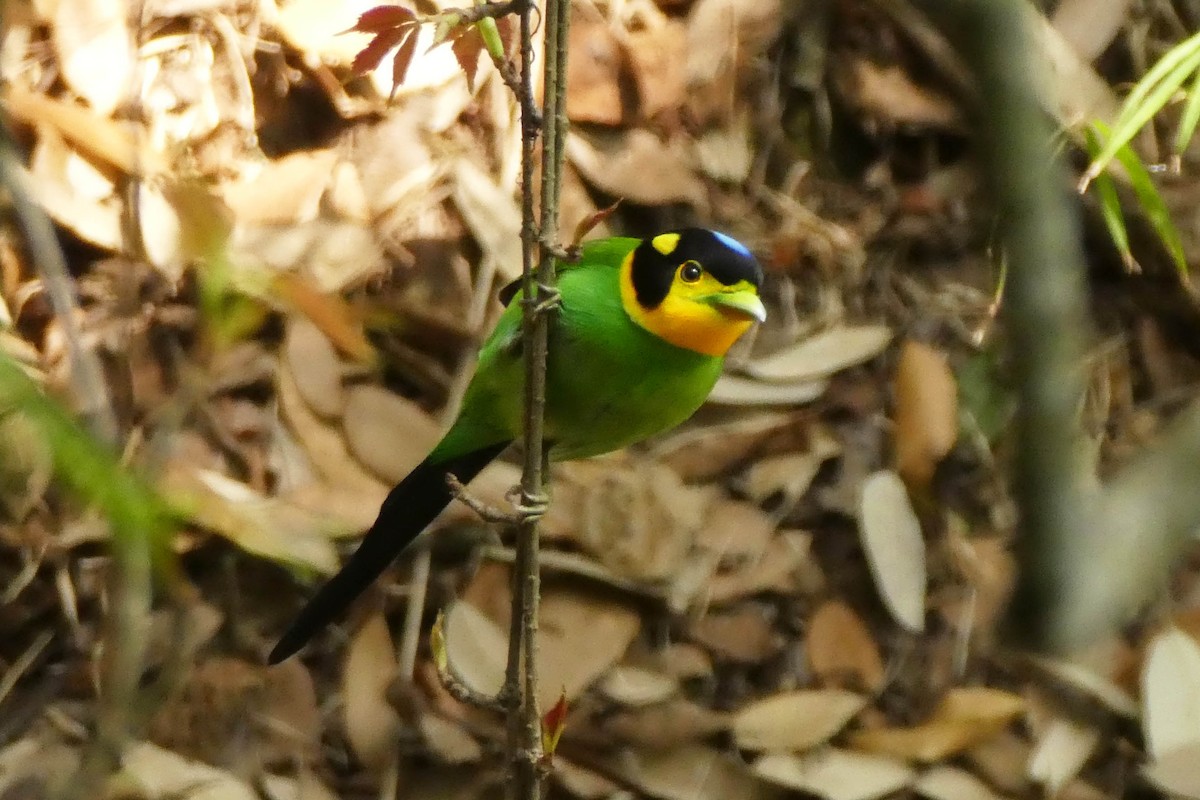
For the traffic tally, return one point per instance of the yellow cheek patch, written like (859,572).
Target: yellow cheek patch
(682,318)
(665,243)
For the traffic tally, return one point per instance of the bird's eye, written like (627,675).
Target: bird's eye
(690,272)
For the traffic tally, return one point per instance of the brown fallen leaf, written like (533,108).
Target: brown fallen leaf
(895,548)
(370,722)
(388,433)
(638,166)
(703,453)
(926,413)
(744,635)
(841,651)
(314,363)
(835,774)
(665,726)
(822,355)
(581,635)
(598,74)
(796,720)
(964,718)
(952,783)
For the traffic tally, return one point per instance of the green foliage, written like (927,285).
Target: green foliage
(1099,139)
(1149,97)
(139,519)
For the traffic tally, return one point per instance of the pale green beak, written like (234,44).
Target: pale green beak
(741,303)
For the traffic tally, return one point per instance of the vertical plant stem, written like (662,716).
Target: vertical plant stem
(1045,309)
(524,719)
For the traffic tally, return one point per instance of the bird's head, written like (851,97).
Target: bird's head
(696,288)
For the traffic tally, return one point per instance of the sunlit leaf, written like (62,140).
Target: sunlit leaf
(383,18)
(403,59)
(467,48)
(370,56)
(1190,117)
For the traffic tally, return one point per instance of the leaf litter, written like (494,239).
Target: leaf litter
(716,622)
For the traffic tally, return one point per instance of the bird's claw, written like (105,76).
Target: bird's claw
(568,253)
(530,507)
(548,298)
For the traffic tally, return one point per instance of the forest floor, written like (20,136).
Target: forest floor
(281,279)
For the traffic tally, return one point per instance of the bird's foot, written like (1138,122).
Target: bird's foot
(483,510)
(530,508)
(567,253)
(548,298)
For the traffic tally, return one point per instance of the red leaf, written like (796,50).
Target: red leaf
(403,59)
(369,57)
(383,18)
(554,722)
(467,48)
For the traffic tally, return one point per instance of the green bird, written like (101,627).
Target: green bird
(635,348)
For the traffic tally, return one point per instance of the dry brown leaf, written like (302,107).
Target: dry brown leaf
(726,153)
(292,722)
(95,51)
(476,648)
(926,413)
(701,454)
(637,165)
(348,492)
(735,532)
(104,141)
(580,637)
(787,553)
(370,722)
(1171,692)
(952,783)
(1002,760)
(582,783)
(314,363)
(266,526)
(386,432)
(964,718)
(790,474)
(447,740)
(795,720)
(835,774)
(305,786)
(659,53)
(160,774)
(285,191)
(734,391)
(887,95)
(332,254)
(667,725)
(690,772)
(598,70)
(743,635)
(638,520)
(1060,752)
(491,213)
(1177,772)
(895,549)
(723,37)
(637,686)
(841,651)
(822,355)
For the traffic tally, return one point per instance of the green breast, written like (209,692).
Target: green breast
(610,383)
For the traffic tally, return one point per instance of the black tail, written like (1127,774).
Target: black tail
(410,506)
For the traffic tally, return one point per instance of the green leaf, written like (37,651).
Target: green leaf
(1110,204)
(1148,97)
(1191,116)
(1152,203)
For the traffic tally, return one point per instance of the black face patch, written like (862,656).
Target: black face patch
(726,259)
